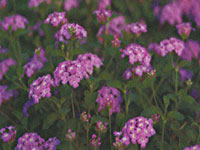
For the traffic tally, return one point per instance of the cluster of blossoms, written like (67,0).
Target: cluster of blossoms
(51,144)
(69,4)
(41,88)
(30,141)
(95,142)
(118,141)
(5,95)
(138,130)
(185,74)
(191,50)
(36,3)
(70,31)
(184,29)
(74,71)
(155,118)
(4,66)
(3,3)
(109,97)
(16,21)
(136,28)
(116,42)
(70,136)
(56,18)
(195,147)
(100,127)
(136,53)
(8,134)
(3,50)
(168,45)
(85,117)
(173,11)
(36,63)
(103,15)
(115,27)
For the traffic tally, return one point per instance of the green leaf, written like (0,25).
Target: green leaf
(175,115)
(20,71)
(116,84)
(184,63)
(49,120)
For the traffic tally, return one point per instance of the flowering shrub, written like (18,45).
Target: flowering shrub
(99,75)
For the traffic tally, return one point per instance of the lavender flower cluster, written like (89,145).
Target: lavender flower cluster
(56,18)
(136,28)
(5,94)
(70,4)
(16,22)
(136,53)
(136,130)
(36,63)
(109,97)
(8,134)
(74,71)
(3,3)
(168,45)
(36,3)
(30,141)
(4,66)
(195,147)
(3,50)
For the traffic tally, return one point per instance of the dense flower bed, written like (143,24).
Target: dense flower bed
(99,75)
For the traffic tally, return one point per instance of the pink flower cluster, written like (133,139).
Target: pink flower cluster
(184,29)
(195,147)
(5,95)
(36,3)
(95,142)
(69,31)
(8,134)
(3,3)
(3,50)
(56,18)
(51,144)
(103,4)
(168,45)
(109,97)
(74,71)
(41,88)
(70,136)
(16,22)
(136,28)
(191,50)
(4,66)
(69,4)
(136,54)
(103,15)
(116,42)
(36,62)
(85,117)
(100,127)
(137,130)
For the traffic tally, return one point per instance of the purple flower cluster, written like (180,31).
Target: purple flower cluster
(85,117)
(184,29)
(41,88)
(136,28)
(4,66)
(168,45)
(3,50)
(69,4)
(56,18)
(3,3)
(5,95)
(109,97)
(69,31)
(137,130)
(118,141)
(116,42)
(185,74)
(70,136)
(103,4)
(8,134)
(74,71)
(36,3)
(100,127)
(136,53)
(103,15)
(195,147)
(95,142)
(115,27)
(16,21)
(51,144)
(191,50)
(36,62)
(29,141)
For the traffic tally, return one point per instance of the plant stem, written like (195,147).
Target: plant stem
(176,80)
(163,129)
(87,135)
(110,132)
(72,101)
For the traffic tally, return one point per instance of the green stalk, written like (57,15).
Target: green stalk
(72,101)
(87,135)
(176,80)
(163,129)
(110,132)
